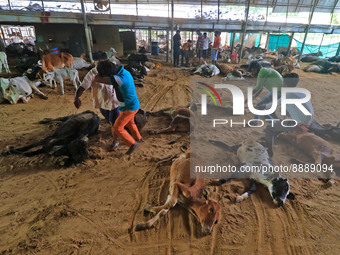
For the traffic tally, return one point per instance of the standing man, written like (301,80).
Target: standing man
(177,48)
(103,95)
(185,53)
(123,84)
(206,44)
(199,44)
(215,47)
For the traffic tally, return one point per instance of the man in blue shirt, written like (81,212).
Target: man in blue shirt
(128,102)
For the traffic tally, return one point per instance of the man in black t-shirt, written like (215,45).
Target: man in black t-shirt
(176,48)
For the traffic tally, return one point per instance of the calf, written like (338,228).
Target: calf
(79,63)
(253,155)
(319,149)
(183,118)
(189,192)
(59,75)
(70,139)
(19,88)
(3,62)
(56,60)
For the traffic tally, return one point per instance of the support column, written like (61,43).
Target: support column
(167,45)
(149,37)
(308,26)
(244,30)
(290,43)
(232,42)
(267,41)
(172,29)
(338,51)
(88,44)
(218,10)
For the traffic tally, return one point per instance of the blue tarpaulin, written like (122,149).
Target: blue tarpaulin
(276,41)
(327,50)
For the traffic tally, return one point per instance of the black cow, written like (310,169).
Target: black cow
(70,139)
(138,58)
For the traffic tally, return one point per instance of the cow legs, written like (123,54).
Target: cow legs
(61,82)
(171,202)
(246,194)
(37,91)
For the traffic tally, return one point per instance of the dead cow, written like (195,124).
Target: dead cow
(183,118)
(18,88)
(59,75)
(70,139)
(189,192)
(319,149)
(56,60)
(3,62)
(253,154)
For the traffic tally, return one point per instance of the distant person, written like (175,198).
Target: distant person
(206,44)
(185,52)
(122,82)
(199,44)
(177,48)
(103,95)
(215,47)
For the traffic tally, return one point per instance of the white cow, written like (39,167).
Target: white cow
(59,75)
(79,63)
(3,62)
(18,88)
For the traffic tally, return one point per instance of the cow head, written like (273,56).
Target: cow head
(208,213)
(47,76)
(15,89)
(78,149)
(279,190)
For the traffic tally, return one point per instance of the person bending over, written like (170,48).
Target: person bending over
(128,102)
(103,95)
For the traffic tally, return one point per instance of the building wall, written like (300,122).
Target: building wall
(71,37)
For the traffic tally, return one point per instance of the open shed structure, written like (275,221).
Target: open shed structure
(264,16)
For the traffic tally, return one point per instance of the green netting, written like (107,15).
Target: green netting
(327,50)
(276,41)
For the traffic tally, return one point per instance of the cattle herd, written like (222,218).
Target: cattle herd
(70,140)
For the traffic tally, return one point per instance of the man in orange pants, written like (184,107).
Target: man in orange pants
(128,102)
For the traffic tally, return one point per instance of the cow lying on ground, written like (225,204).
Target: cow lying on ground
(182,119)
(326,131)
(322,66)
(187,191)
(59,75)
(320,150)
(3,62)
(56,60)
(334,59)
(284,69)
(70,139)
(19,88)
(253,154)
(80,63)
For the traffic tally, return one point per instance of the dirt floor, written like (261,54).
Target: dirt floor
(93,208)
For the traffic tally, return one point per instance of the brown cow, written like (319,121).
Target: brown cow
(182,117)
(53,61)
(316,147)
(187,191)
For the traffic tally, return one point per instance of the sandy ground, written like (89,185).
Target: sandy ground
(93,207)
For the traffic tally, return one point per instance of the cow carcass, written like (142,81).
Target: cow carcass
(70,139)
(56,60)
(59,75)
(79,63)
(18,88)
(3,62)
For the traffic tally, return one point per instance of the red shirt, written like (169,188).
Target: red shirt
(217,42)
